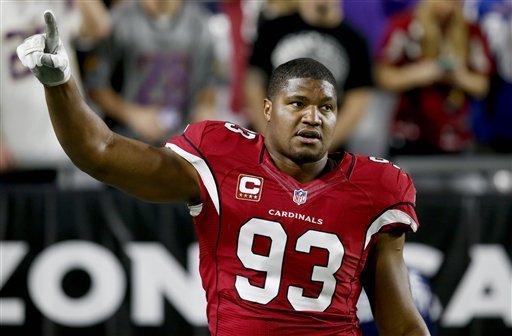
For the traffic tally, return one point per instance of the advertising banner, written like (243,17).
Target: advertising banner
(100,262)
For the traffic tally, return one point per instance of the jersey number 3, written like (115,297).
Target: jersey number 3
(272,264)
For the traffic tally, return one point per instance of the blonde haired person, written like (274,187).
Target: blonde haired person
(435,60)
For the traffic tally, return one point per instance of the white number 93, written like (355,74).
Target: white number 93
(272,264)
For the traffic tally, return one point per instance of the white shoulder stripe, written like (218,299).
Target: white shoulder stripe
(203,170)
(389,217)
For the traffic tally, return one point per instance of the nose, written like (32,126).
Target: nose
(312,116)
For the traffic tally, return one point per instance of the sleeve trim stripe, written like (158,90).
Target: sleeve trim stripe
(389,217)
(203,170)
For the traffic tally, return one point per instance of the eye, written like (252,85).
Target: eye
(297,104)
(327,107)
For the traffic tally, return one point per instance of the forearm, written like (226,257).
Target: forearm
(392,302)
(144,171)
(349,116)
(406,77)
(395,79)
(388,285)
(474,84)
(82,134)
(414,328)
(110,103)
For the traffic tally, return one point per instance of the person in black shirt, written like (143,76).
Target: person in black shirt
(317,31)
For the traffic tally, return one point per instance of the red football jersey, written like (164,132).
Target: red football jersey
(278,257)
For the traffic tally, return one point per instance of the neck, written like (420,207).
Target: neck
(302,172)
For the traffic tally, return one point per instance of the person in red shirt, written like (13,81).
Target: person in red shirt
(288,234)
(435,60)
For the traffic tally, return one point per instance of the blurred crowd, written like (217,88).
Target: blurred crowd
(416,77)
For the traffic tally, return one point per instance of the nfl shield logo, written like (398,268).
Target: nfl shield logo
(300,196)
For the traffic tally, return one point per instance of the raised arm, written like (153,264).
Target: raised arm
(386,283)
(153,174)
(137,168)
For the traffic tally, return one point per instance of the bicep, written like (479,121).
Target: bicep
(387,286)
(149,173)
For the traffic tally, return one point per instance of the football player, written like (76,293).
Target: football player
(288,234)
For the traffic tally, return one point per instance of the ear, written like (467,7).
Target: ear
(267,109)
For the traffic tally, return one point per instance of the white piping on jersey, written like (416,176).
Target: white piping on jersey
(204,171)
(389,217)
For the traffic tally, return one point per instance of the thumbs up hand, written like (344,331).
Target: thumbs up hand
(45,55)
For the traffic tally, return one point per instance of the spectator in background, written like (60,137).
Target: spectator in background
(163,52)
(492,120)
(317,31)
(29,150)
(435,60)
(370,18)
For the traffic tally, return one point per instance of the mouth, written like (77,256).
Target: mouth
(309,135)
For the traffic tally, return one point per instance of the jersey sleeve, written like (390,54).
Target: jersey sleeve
(189,146)
(393,198)
(209,146)
(215,141)
(398,207)
(191,139)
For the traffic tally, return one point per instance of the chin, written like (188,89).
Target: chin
(307,156)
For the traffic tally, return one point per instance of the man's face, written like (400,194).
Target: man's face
(301,120)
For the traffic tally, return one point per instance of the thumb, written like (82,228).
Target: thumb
(53,61)
(52,33)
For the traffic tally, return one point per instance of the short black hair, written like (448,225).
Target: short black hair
(298,68)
